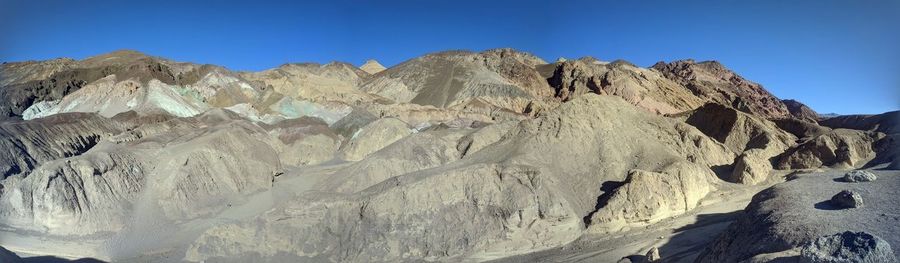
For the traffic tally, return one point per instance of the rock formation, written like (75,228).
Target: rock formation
(452,156)
(718,84)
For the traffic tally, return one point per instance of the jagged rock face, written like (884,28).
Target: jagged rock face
(711,81)
(753,139)
(784,218)
(26,145)
(642,87)
(92,191)
(110,96)
(648,197)
(185,167)
(21,72)
(800,111)
(840,148)
(502,78)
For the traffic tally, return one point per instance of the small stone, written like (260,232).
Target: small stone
(847,199)
(848,247)
(859,176)
(653,255)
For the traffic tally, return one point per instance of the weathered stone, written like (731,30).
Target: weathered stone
(847,247)
(859,176)
(847,199)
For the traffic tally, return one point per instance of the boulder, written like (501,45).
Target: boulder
(847,199)
(859,176)
(847,247)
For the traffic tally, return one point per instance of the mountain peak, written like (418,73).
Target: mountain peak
(372,67)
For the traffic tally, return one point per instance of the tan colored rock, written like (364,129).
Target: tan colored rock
(372,67)
(740,131)
(840,148)
(647,197)
(751,167)
(451,78)
(373,137)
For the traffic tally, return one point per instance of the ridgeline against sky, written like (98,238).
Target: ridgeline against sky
(836,56)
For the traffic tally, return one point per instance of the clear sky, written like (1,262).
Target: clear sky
(838,56)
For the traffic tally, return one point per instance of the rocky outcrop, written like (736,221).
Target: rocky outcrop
(639,86)
(751,167)
(711,81)
(839,148)
(184,168)
(612,131)
(26,145)
(92,191)
(782,220)
(738,130)
(647,197)
(53,82)
(847,247)
(503,78)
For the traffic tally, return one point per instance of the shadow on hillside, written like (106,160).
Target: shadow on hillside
(607,188)
(692,239)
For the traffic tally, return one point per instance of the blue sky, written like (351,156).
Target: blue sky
(836,56)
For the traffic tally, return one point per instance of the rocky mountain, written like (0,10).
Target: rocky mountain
(451,156)
(713,82)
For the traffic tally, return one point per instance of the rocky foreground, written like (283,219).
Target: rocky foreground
(452,156)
